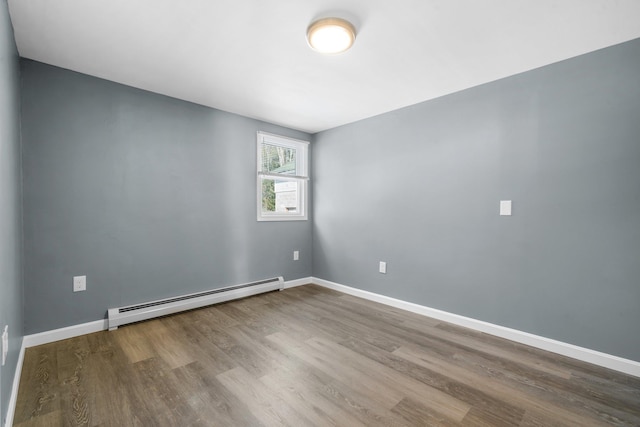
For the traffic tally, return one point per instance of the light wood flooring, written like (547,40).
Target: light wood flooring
(311,356)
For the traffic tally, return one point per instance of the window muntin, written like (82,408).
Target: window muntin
(282,178)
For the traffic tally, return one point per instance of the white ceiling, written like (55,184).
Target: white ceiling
(250,56)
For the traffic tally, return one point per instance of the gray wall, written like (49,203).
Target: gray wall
(11,307)
(147,195)
(419,188)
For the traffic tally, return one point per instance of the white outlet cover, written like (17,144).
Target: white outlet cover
(5,344)
(383,267)
(79,283)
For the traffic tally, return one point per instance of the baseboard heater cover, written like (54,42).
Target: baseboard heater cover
(135,313)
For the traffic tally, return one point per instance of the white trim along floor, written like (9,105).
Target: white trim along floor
(626,366)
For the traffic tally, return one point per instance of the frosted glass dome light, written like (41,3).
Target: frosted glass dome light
(331,35)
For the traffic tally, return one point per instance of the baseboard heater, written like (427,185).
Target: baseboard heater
(135,313)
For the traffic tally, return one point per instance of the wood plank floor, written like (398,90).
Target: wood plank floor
(311,356)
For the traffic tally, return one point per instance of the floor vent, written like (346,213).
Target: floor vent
(134,313)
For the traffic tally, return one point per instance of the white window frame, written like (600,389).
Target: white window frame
(301,176)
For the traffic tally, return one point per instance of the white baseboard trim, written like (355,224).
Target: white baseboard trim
(71,332)
(102,325)
(297,282)
(616,363)
(11,410)
(47,337)
(64,333)
(620,364)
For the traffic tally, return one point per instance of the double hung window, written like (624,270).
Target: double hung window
(283,177)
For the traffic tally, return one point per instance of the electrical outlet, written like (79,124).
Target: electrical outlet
(79,283)
(383,267)
(5,344)
(296,255)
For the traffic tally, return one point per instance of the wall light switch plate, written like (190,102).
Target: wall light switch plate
(505,207)
(383,267)
(296,255)
(79,283)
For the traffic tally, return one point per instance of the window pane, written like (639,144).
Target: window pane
(282,178)
(278,159)
(280,196)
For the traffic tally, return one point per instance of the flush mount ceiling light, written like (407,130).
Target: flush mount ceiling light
(331,35)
